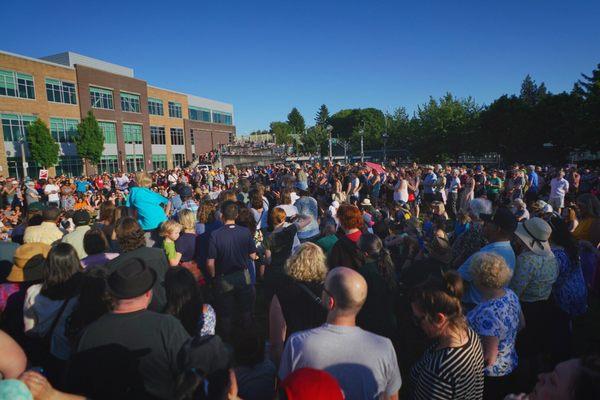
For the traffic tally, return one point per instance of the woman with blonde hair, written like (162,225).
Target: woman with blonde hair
(497,319)
(296,305)
(149,207)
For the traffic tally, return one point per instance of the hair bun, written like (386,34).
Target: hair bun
(453,284)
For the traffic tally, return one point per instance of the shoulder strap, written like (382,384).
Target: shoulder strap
(309,292)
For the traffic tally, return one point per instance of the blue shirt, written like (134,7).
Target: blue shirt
(148,205)
(429,182)
(499,318)
(503,249)
(533,181)
(82,186)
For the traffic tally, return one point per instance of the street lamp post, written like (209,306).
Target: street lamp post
(362,145)
(23,157)
(329,130)
(385,137)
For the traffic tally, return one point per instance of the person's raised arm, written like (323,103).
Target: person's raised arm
(277,330)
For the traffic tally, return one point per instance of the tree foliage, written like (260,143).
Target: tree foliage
(282,132)
(519,127)
(296,121)
(42,146)
(322,116)
(90,139)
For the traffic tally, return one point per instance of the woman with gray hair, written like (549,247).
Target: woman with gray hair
(473,239)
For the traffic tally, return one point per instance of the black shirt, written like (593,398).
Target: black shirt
(300,309)
(230,247)
(280,244)
(132,355)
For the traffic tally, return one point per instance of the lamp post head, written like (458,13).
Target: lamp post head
(362,131)
(329,128)
(385,136)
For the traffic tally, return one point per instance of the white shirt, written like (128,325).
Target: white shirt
(558,187)
(52,197)
(349,354)
(39,313)
(401,191)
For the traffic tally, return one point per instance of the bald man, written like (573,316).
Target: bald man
(364,364)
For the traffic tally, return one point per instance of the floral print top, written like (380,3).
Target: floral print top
(534,276)
(500,318)
(569,290)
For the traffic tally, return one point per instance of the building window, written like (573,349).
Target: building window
(15,84)
(69,166)
(101,98)
(157,135)
(159,161)
(61,91)
(63,130)
(155,106)
(108,164)
(15,167)
(14,126)
(134,163)
(221,118)
(176,136)
(199,114)
(178,160)
(110,131)
(132,133)
(174,109)
(192,141)
(130,102)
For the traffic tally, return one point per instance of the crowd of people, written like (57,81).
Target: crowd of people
(300,281)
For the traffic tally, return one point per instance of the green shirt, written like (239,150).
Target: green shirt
(495,185)
(169,249)
(327,242)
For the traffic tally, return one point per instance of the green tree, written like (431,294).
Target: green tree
(531,93)
(90,139)
(282,132)
(296,121)
(42,146)
(446,127)
(588,87)
(322,116)
(347,125)
(315,139)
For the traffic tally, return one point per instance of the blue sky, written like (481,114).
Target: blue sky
(266,57)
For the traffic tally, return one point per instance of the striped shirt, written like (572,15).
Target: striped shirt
(450,373)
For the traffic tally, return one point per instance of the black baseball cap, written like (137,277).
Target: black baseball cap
(502,218)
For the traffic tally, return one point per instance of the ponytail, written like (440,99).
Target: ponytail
(441,295)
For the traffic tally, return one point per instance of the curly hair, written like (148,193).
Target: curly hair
(350,217)
(490,270)
(307,264)
(206,212)
(130,234)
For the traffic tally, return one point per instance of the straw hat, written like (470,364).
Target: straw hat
(534,233)
(28,262)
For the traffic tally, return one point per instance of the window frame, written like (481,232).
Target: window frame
(131,100)
(126,135)
(156,101)
(173,107)
(100,89)
(160,135)
(16,84)
(61,90)
(177,133)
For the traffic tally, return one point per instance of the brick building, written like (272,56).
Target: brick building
(145,127)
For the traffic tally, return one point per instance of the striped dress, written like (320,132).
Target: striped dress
(450,373)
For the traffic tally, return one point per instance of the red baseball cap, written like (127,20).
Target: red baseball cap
(311,384)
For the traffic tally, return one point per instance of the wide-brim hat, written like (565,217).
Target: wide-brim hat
(534,233)
(131,279)
(366,202)
(29,261)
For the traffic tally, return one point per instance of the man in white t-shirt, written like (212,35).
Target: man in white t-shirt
(51,190)
(363,363)
(559,187)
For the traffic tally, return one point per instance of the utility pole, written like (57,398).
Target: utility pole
(329,130)
(23,158)
(362,145)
